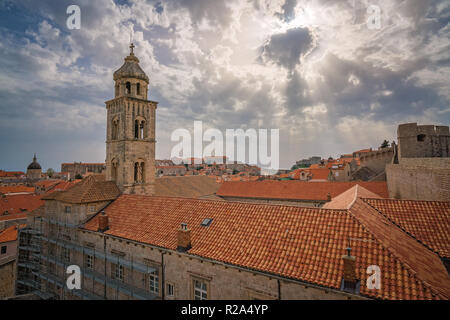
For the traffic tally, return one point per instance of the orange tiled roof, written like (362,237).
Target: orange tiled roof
(19,203)
(15,216)
(91,189)
(305,244)
(427,221)
(185,187)
(6,174)
(167,166)
(295,190)
(47,183)
(9,234)
(61,186)
(363,151)
(316,174)
(84,164)
(417,261)
(16,189)
(347,198)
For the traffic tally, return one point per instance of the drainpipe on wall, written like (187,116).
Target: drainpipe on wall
(104,252)
(163,282)
(279,289)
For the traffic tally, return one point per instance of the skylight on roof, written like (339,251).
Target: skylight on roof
(206,222)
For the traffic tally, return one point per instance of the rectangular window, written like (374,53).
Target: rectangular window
(65,254)
(117,271)
(170,290)
(200,290)
(51,250)
(3,250)
(153,281)
(67,209)
(89,261)
(92,209)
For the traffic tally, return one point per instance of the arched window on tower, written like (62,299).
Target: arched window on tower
(142,172)
(136,172)
(138,89)
(115,129)
(114,170)
(141,129)
(139,172)
(136,129)
(128,88)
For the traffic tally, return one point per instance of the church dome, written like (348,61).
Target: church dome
(34,165)
(131,68)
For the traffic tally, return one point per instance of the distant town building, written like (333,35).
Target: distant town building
(305,163)
(81,169)
(170,171)
(34,170)
(295,193)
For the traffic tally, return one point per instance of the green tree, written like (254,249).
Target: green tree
(50,172)
(385,144)
(78,176)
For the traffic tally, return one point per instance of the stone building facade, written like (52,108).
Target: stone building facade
(428,141)
(421,168)
(420,179)
(8,251)
(79,168)
(34,170)
(130,137)
(7,277)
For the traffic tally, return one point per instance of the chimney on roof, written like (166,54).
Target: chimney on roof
(103,222)
(184,238)
(329,197)
(350,283)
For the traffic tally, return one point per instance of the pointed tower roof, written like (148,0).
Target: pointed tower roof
(34,164)
(131,68)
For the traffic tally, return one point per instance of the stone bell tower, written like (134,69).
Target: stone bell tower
(130,133)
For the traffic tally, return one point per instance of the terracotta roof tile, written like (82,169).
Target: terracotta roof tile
(6,174)
(91,189)
(306,244)
(19,203)
(418,262)
(347,198)
(427,221)
(186,186)
(295,190)
(16,189)
(9,234)
(315,174)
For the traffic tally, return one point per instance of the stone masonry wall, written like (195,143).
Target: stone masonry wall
(420,179)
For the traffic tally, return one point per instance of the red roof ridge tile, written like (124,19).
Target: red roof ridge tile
(441,286)
(438,243)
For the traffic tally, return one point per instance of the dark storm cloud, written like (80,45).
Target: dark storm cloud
(358,87)
(286,49)
(54,82)
(288,10)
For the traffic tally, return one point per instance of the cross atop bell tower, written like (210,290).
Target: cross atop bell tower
(130,133)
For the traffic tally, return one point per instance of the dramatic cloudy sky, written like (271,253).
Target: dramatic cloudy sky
(313,69)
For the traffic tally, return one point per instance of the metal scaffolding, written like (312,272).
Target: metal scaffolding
(37,265)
